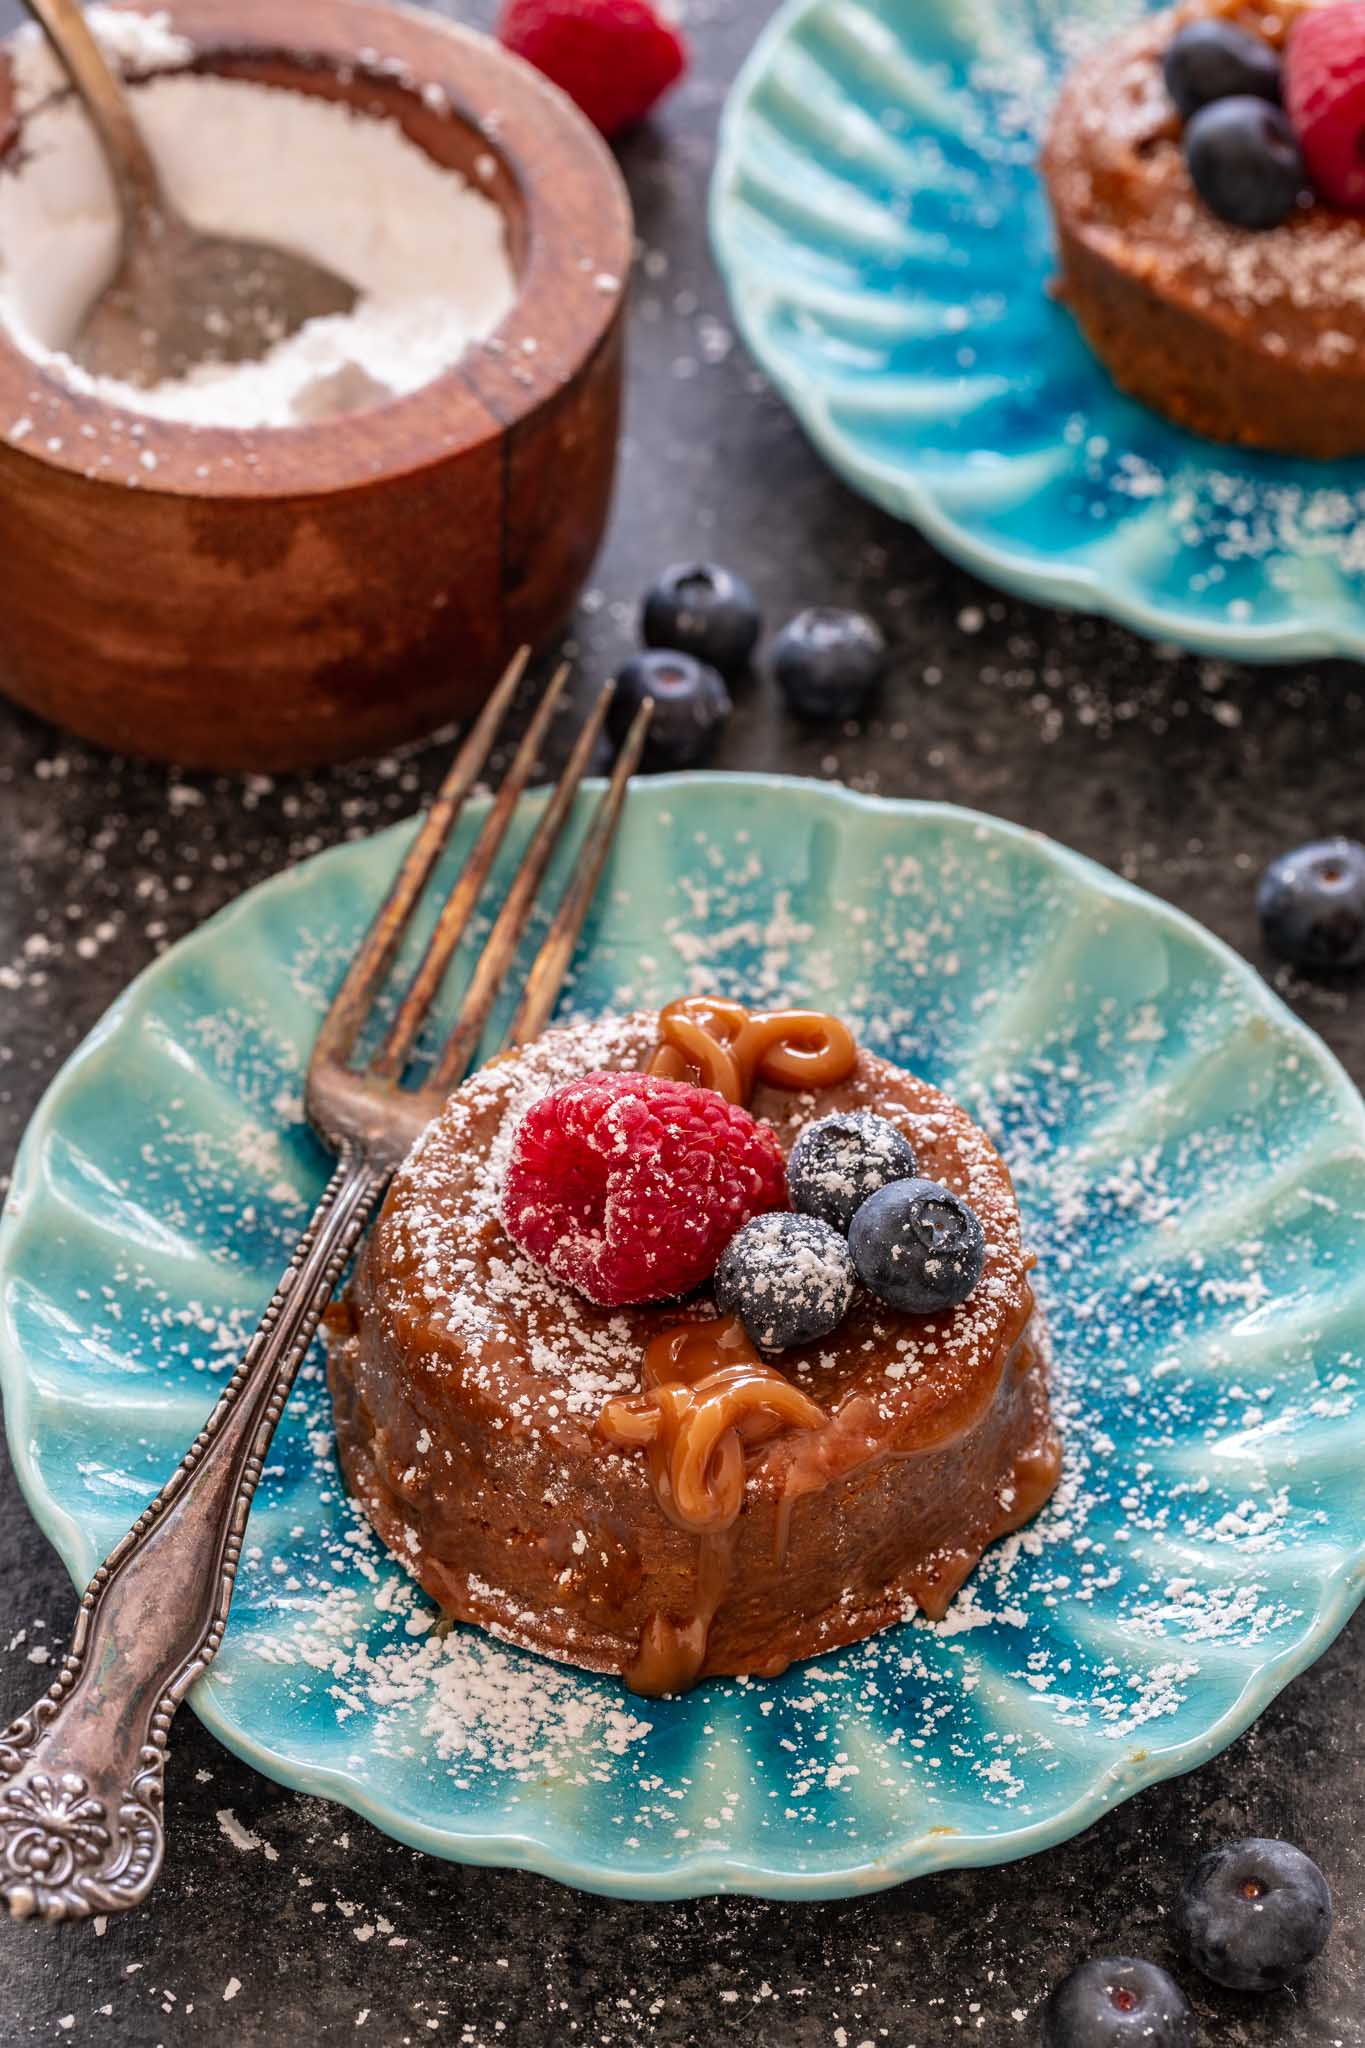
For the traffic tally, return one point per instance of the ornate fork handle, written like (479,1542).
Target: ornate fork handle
(82,1773)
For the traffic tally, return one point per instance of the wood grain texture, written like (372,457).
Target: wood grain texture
(278,598)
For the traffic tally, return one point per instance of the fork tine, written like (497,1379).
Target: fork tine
(510,924)
(459,906)
(365,975)
(551,963)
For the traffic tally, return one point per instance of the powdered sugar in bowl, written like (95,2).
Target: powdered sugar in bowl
(368,506)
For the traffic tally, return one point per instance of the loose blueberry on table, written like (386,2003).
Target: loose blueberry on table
(1311,904)
(691,704)
(827,662)
(703,610)
(1119,2002)
(788,1278)
(1255,1914)
(838,1161)
(917,1246)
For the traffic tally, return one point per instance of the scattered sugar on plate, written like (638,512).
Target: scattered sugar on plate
(1177,1549)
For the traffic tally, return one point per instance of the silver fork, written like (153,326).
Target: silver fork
(82,1773)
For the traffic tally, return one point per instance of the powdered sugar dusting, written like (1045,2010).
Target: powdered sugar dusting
(584,1359)
(470,1703)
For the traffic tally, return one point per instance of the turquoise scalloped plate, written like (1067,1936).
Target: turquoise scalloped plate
(1191,1164)
(878,215)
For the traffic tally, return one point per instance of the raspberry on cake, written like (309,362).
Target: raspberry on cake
(629,1486)
(629,1187)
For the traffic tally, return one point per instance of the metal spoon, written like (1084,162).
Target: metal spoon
(177,298)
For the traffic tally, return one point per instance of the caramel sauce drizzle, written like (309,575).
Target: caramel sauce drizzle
(718,1044)
(705,1397)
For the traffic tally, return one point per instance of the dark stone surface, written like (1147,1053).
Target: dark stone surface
(1182,774)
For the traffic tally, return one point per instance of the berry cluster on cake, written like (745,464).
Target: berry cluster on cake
(694,1342)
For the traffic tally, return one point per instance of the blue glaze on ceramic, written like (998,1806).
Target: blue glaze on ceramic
(1191,1166)
(878,214)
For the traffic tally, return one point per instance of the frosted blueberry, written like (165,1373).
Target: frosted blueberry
(789,1279)
(838,1162)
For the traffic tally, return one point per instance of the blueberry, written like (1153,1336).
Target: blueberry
(1215,60)
(1113,2001)
(704,610)
(789,1279)
(917,1246)
(1255,1913)
(691,703)
(1312,904)
(1245,162)
(828,662)
(838,1162)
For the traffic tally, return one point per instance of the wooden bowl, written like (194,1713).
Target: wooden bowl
(292,595)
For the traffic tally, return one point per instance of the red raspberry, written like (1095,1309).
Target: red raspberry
(613,57)
(1324,96)
(629,1188)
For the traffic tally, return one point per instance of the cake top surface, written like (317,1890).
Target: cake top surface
(475,1318)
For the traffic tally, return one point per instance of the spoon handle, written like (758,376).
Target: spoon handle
(130,163)
(81,1773)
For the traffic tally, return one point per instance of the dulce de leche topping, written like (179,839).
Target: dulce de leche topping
(705,1396)
(718,1044)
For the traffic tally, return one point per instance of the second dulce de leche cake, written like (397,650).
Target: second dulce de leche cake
(771,1461)
(1205,174)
